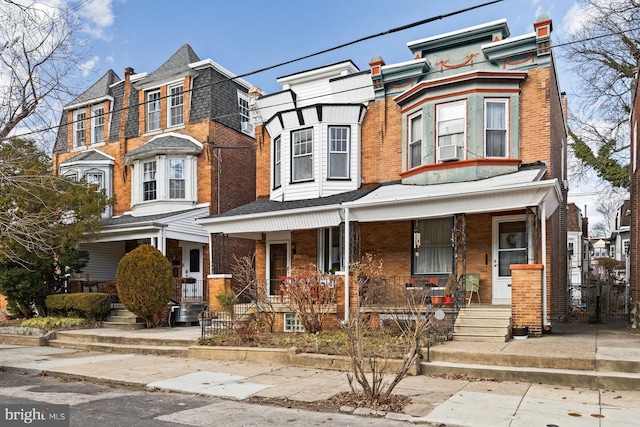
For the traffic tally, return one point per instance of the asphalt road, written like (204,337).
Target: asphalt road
(99,405)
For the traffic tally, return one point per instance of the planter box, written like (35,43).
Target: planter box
(520,333)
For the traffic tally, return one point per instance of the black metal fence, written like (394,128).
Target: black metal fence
(602,302)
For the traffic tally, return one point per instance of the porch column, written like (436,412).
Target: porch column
(527,297)
(218,284)
(347,248)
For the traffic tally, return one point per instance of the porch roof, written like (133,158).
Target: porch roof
(392,202)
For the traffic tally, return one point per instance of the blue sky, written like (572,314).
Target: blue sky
(244,36)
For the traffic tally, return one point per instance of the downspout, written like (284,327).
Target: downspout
(545,320)
(347,256)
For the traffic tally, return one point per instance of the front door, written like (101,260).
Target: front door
(192,268)
(509,247)
(277,266)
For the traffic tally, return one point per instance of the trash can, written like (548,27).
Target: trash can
(188,313)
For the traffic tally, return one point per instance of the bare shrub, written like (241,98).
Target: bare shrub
(312,298)
(244,271)
(402,309)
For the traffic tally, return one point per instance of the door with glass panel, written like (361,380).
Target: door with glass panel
(509,247)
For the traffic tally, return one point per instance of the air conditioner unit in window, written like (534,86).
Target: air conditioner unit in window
(247,127)
(447,153)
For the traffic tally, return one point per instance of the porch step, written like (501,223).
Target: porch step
(483,324)
(122,318)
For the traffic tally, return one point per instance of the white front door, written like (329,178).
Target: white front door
(192,260)
(509,247)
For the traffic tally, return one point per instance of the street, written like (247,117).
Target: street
(98,405)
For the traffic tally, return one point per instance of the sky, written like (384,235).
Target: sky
(244,36)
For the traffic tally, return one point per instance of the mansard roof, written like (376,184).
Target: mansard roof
(99,90)
(176,64)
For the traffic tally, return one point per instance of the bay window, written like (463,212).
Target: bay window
(415,141)
(176,179)
(302,155)
(338,152)
(277,162)
(149,181)
(496,141)
(451,123)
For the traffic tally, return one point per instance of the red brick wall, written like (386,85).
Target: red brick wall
(526,297)
(634,190)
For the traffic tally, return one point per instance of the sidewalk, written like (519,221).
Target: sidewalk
(436,400)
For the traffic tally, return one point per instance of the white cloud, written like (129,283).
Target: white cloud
(89,65)
(109,59)
(575,19)
(97,17)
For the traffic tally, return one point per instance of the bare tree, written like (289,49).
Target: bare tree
(39,56)
(244,271)
(603,50)
(312,297)
(405,310)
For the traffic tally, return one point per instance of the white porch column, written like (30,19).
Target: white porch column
(347,255)
(545,319)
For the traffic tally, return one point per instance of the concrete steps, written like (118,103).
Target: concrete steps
(483,324)
(121,318)
(120,344)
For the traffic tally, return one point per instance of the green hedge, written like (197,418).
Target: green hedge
(91,306)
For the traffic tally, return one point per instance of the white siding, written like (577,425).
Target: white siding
(103,260)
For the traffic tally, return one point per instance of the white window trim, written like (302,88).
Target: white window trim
(79,124)
(504,101)
(95,117)
(411,140)
(246,122)
(277,161)
(183,179)
(170,98)
(144,180)
(148,112)
(348,152)
(462,147)
(308,154)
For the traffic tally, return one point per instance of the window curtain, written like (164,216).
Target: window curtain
(435,254)
(496,129)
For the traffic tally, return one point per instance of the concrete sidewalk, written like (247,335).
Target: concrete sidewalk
(437,400)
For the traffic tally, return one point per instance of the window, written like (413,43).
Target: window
(243,110)
(95,178)
(302,155)
(512,247)
(330,253)
(625,245)
(149,181)
(612,251)
(79,129)
(415,141)
(153,110)
(97,125)
(277,162)
(176,179)
(451,123)
(176,106)
(495,113)
(194,260)
(292,323)
(433,253)
(339,152)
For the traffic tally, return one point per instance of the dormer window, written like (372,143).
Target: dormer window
(451,124)
(415,141)
(153,110)
(339,152)
(302,149)
(97,125)
(149,181)
(176,105)
(79,129)
(496,140)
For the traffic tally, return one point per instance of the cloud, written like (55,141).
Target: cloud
(97,17)
(89,65)
(575,19)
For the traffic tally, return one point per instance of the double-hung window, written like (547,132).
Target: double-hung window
(451,124)
(153,110)
(415,141)
(149,181)
(495,125)
(176,105)
(95,178)
(339,152)
(302,142)
(176,179)
(433,252)
(277,162)
(243,110)
(79,129)
(97,125)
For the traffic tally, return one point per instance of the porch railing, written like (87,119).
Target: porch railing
(189,290)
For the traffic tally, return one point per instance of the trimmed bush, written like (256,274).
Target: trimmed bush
(144,282)
(87,305)
(53,322)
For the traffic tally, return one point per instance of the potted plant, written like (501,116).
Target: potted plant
(449,290)
(520,332)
